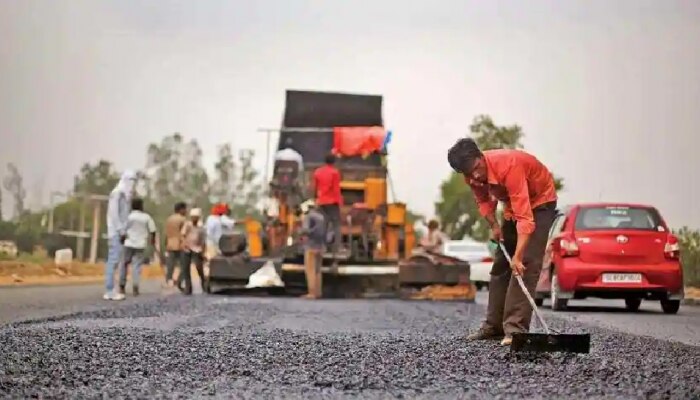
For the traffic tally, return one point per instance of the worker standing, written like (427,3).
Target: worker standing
(193,234)
(326,183)
(314,233)
(117,215)
(434,239)
(174,241)
(526,187)
(218,224)
(140,232)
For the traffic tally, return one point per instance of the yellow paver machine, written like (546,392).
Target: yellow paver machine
(379,256)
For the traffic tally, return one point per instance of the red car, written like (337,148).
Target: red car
(611,251)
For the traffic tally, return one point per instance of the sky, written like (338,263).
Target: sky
(607,92)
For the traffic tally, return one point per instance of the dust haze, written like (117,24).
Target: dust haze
(606,92)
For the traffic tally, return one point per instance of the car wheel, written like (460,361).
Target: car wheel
(539,301)
(479,285)
(633,304)
(557,303)
(670,306)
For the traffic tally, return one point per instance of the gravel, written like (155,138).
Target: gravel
(201,346)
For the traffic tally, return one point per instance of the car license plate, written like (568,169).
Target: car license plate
(622,278)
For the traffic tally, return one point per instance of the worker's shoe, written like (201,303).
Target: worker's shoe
(108,296)
(484,334)
(118,296)
(135,289)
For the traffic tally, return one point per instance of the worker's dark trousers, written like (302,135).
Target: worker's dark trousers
(189,257)
(508,310)
(172,258)
(331,212)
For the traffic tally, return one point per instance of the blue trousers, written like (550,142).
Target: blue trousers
(135,258)
(114,259)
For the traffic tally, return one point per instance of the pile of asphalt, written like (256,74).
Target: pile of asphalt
(260,348)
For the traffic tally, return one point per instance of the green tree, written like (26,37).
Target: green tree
(174,172)
(14,184)
(99,178)
(457,208)
(689,241)
(247,189)
(225,174)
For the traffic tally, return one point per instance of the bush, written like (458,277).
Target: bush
(689,241)
(54,241)
(7,230)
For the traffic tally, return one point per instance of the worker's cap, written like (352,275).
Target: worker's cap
(307,205)
(196,212)
(219,209)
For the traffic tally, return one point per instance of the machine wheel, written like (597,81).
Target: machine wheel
(539,301)
(670,306)
(633,304)
(557,303)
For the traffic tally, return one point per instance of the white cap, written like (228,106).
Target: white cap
(196,212)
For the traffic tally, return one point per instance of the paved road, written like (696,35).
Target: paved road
(216,346)
(649,321)
(32,302)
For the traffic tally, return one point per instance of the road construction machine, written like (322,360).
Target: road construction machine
(377,256)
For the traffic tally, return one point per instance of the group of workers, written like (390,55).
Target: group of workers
(131,230)
(516,178)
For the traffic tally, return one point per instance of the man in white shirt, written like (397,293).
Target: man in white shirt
(140,232)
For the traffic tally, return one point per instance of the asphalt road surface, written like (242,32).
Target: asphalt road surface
(649,321)
(65,342)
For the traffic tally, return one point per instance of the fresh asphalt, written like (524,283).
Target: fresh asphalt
(66,342)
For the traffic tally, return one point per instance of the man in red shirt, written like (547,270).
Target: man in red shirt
(526,187)
(326,182)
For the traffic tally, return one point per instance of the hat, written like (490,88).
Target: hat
(219,209)
(196,212)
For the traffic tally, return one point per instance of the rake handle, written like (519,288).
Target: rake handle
(525,291)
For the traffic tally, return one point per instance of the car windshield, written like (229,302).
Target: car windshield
(618,217)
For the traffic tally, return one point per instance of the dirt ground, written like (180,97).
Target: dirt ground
(18,273)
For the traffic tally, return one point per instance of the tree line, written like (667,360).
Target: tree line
(173,171)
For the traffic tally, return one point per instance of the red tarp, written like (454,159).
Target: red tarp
(357,141)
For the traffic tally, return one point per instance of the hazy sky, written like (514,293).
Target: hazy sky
(607,92)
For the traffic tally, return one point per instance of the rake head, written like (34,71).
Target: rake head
(551,343)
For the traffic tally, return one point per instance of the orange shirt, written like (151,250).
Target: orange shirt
(519,180)
(327,183)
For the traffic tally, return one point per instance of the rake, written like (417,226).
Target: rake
(550,341)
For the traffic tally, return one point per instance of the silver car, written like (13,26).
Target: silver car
(478,256)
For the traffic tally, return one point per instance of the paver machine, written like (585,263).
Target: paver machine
(377,257)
